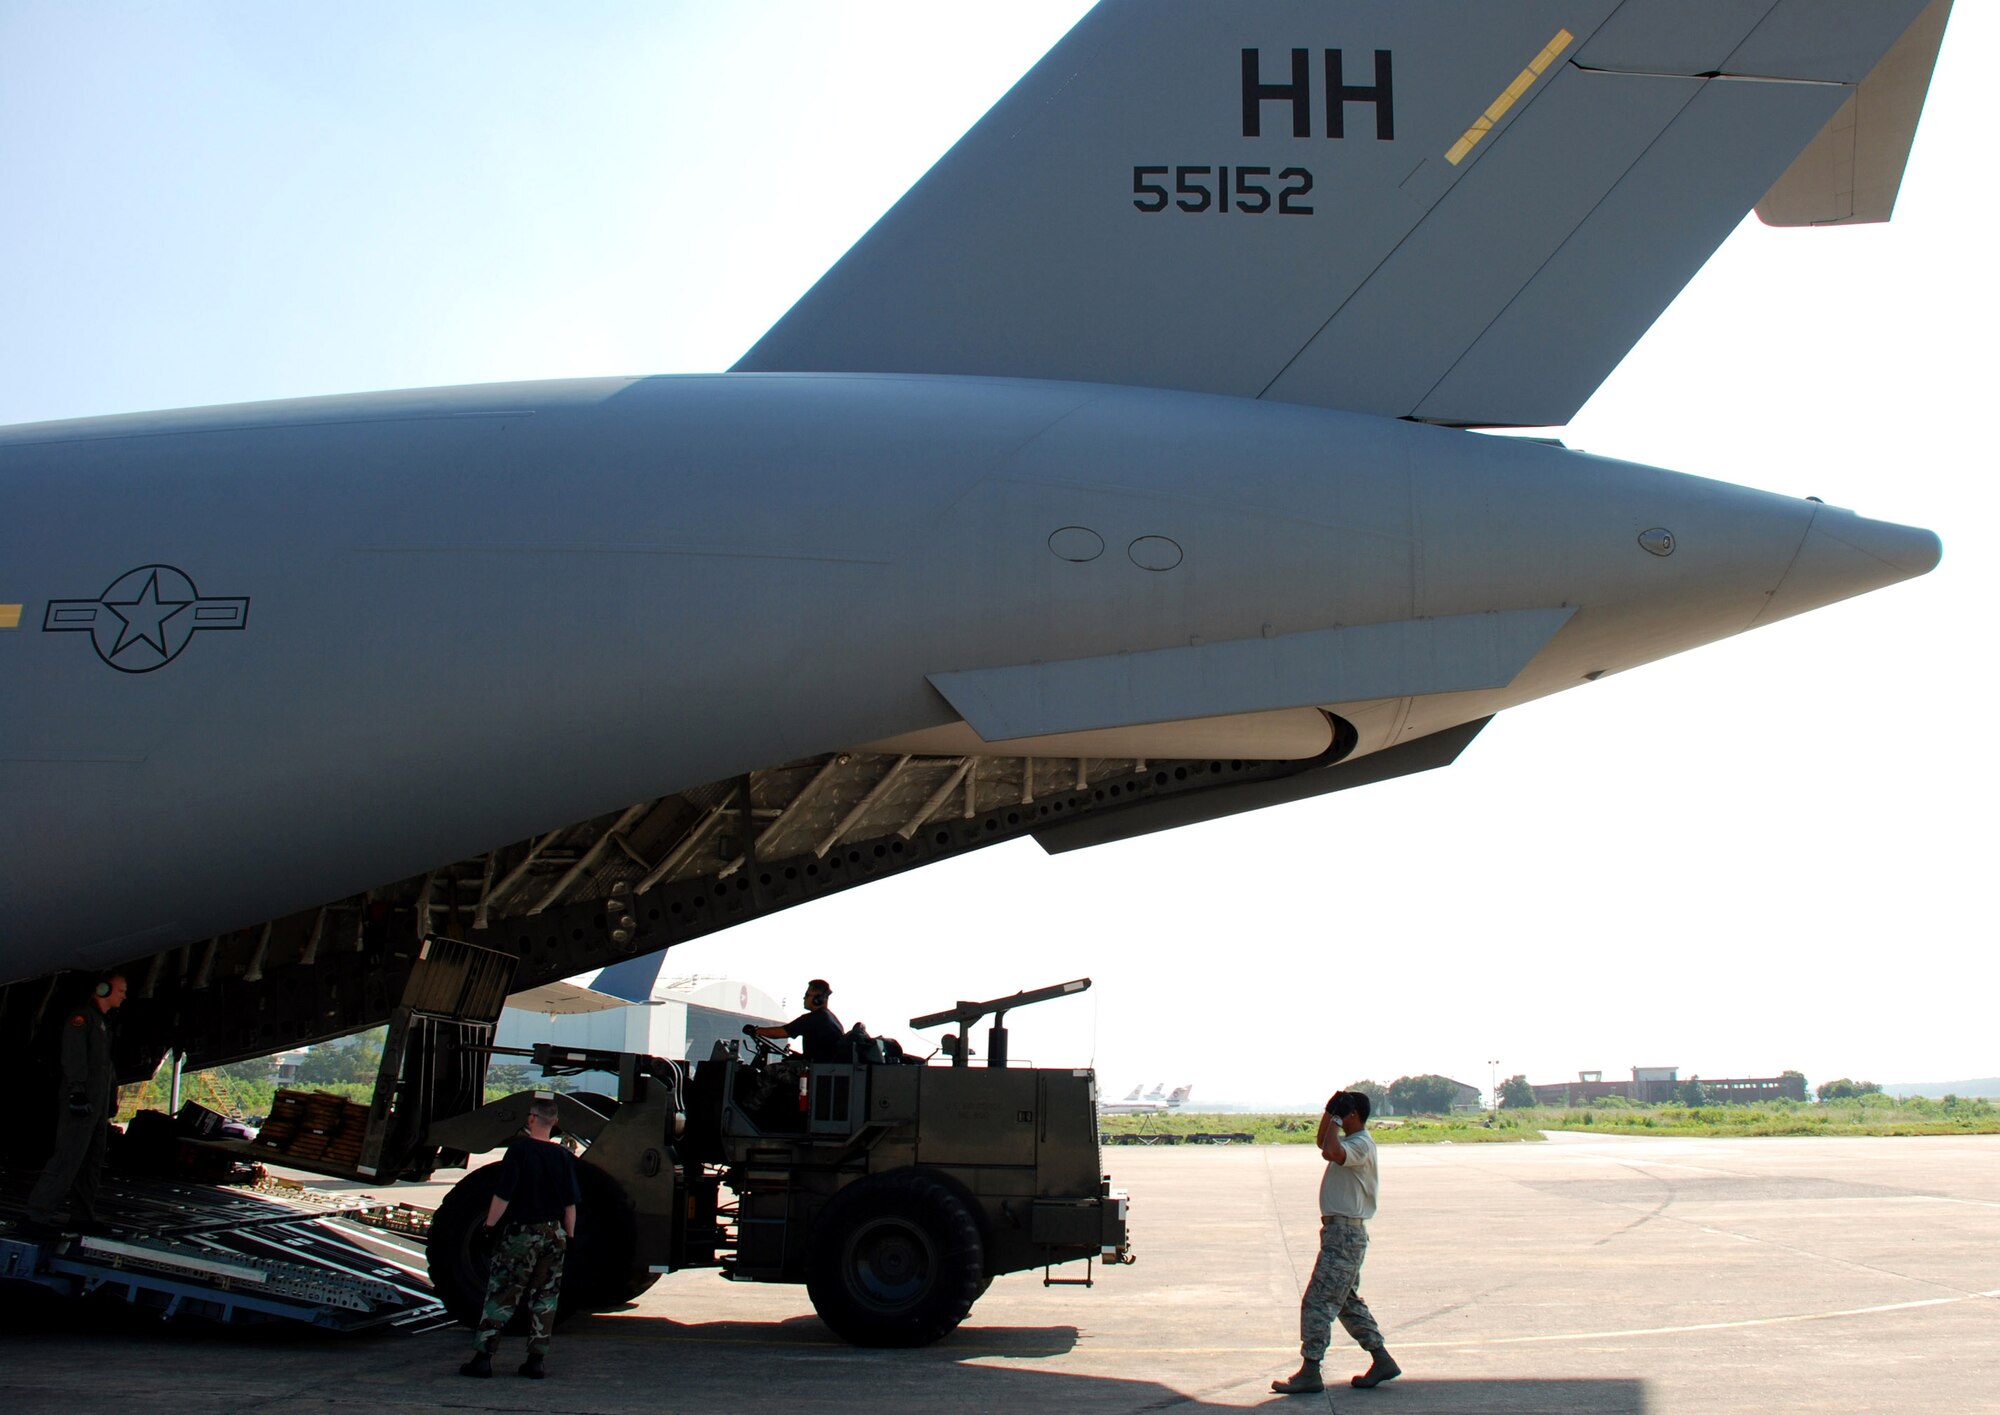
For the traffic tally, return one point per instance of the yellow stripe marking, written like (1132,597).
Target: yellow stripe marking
(10,616)
(1510,95)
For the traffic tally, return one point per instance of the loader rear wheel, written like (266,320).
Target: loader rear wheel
(597,1268)
(894,1260)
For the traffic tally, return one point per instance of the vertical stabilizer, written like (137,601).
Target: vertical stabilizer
(1459,212)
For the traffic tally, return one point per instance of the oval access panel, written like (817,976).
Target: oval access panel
(1154,553)
(1078,543)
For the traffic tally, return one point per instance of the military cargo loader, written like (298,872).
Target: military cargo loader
(896,1192)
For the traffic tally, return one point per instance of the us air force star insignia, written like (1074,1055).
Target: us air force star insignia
(145,618)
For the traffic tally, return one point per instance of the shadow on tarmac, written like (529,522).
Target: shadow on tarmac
(618,1363)
(809,1332)
(29,1309)
(707,1361)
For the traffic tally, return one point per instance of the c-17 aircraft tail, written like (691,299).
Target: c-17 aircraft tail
(1456,212)
(1081,498)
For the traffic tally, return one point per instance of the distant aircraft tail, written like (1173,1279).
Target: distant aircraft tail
(1134,1093)
(1180,1095)
(1456,212)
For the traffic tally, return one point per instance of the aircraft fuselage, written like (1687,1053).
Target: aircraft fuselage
(251,638)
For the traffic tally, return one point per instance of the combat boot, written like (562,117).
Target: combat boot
(1382,1367)
(1303,1381)
(532,1367)
(480,1365)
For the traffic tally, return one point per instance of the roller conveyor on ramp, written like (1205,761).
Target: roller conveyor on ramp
(197,1250)
(189,1249)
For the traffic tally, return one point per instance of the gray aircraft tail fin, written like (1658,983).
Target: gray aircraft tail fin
(1852,171)
(1449,210)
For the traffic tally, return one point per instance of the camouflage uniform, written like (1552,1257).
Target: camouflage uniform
(1335,1289)
(527,1271)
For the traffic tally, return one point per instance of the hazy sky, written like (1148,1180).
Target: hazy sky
(1768,853)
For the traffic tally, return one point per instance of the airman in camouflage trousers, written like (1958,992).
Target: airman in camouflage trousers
(1334,1291)
(527,1272)
(535,1183)
(1346,1203)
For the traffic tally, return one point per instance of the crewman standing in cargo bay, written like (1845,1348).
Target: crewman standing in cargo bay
(532,1217)
(88,1098)
(1346,1203)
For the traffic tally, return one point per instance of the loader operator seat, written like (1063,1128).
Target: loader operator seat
(768,1091)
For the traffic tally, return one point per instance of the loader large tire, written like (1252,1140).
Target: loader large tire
(597,1268)
(894,1260)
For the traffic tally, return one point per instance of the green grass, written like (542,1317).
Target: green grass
(1300,1129)
(1864,1115)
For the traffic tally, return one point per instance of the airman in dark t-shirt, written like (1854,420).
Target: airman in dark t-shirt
(532,1215)
(818,1030)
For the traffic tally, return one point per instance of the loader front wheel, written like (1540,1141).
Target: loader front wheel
(895,1260)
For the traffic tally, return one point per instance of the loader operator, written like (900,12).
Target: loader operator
(87,1097)
(818,1030)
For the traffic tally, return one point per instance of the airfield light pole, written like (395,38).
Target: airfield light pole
(1493,1075)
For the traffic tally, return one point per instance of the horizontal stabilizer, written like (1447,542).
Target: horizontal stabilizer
(1464,213)
(1147,817)
(1407,658)
(1854,168)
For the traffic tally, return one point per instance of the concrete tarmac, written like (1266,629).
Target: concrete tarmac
(1586,1274)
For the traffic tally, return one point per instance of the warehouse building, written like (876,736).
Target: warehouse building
(1651,1085)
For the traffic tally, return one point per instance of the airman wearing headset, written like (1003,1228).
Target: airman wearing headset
(87,1096)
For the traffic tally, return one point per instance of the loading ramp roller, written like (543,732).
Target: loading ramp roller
(224,1255)
(184,1248)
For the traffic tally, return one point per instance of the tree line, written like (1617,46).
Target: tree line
(346,1067)
(1410,1095)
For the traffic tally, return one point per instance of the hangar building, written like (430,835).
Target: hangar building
(631,1006)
